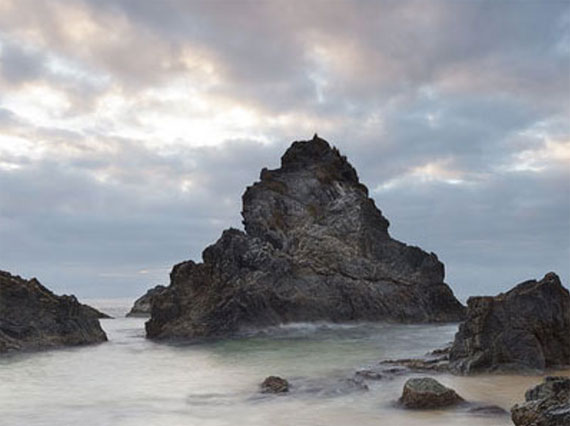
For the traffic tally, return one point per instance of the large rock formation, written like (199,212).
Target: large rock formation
(527,328)
(32,317)
(547,404)
(315,247)
(142,306)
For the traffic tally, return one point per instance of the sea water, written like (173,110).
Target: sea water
(131,381)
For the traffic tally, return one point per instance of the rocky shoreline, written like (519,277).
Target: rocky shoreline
(316,248)
(523,331)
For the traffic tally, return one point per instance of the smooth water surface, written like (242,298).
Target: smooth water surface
(133,381)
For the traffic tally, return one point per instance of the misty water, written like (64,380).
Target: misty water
(133,381)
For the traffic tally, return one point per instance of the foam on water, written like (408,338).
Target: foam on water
(133,381)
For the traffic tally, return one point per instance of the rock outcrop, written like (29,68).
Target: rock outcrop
(32,317)
(526,328)
(315,247)
(428,393)
(142,306)
(547,404)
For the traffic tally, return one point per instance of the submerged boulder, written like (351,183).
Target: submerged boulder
(274,384)
(315,247)
(32,317)
(526,328)
(142,306)
(428,393)
(547,404)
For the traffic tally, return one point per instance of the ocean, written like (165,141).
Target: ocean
(130,381)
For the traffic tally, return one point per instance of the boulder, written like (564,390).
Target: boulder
(274,384)
(32,317)
(526,328)
(315,248)
(547,404)
(142,306)
(428,393)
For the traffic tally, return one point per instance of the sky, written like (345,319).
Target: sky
(130,129)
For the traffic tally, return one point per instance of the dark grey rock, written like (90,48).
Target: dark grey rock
(547,404)
(526,328)
(482,410)
(142,306)
(274,384)
(436,361)
(315,247)
(90,310)
(428,393)
(32,317)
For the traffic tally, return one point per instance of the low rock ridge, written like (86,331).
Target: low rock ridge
(142,306)
(315,247)
(32,317)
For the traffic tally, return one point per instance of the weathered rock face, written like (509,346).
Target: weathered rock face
(315,247)
(547,404)
(142,306)
(90,310)
(525,328)
(428,393)
(32,317)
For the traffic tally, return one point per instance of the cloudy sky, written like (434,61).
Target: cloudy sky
(129,129)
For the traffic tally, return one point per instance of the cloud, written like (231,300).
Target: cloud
(129,130)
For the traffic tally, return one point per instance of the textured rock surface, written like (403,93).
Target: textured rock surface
(143,304)
(315,247)
(525,328)
(547,404)
(274,384)
(32,317)
(90,310)
(427,393)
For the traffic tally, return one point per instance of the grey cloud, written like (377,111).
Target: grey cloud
(488,72)
(61,222)
(263,50)
(18,65)
(491,235)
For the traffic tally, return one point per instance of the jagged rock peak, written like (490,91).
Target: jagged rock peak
(317,188)
(318,155)
(315,248)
